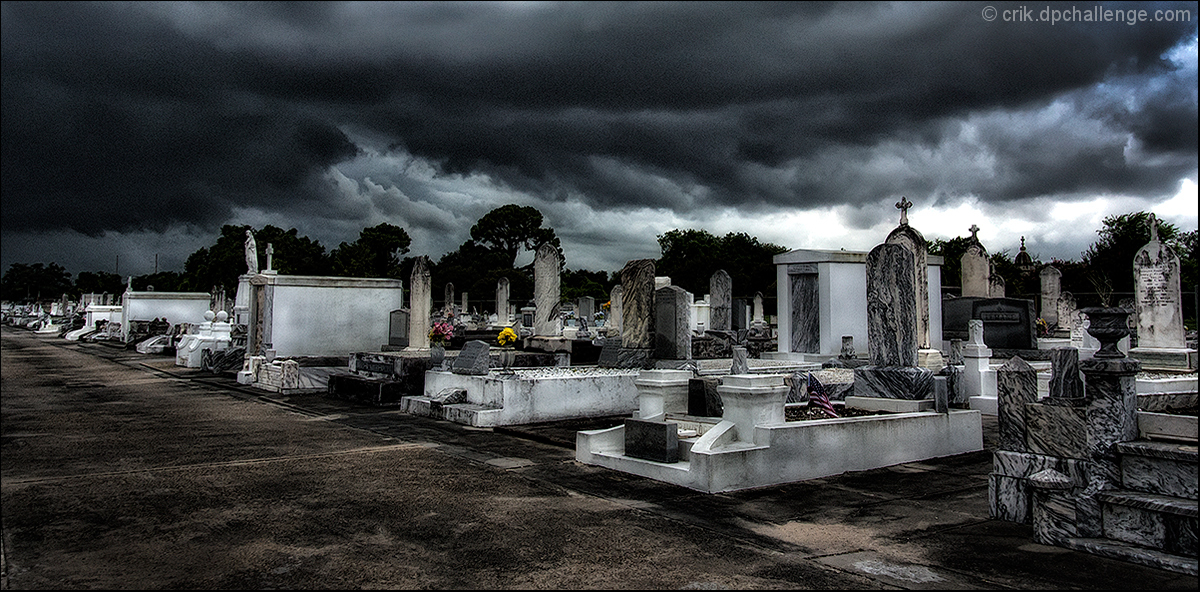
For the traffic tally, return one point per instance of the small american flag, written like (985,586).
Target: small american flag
(817,396)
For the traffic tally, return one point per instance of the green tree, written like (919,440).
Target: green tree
(690,257)
(475,269)
(951,251)
(510,228)
(37,282)
(1111,256)
(579,283)
(162,281)
(223,262)
(377,253)
(496,240)
(98,282)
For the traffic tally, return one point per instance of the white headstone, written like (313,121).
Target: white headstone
(1158,304)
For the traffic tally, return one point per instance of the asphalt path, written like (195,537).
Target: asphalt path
(121,470)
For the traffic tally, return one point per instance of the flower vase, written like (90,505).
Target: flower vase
(508,355)
(1108,324)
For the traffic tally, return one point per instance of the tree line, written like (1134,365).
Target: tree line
(688,256)
(491,251)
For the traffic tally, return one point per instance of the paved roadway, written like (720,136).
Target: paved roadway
(122,471)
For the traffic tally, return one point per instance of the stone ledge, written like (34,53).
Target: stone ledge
(1170,451)
(1164,504)
(1134,554)
(892,405)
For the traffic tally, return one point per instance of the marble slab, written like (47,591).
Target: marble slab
(892,338)
(893,382)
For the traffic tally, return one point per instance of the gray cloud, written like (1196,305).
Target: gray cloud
(131,118)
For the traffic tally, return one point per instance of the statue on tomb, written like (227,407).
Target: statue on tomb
(251,252)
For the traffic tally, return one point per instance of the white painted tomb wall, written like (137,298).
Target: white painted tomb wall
(531,395)
(325,316)
(842,298)
(175,307)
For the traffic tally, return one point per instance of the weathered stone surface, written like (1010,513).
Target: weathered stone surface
(637,304)
(1016,385)
(909,238)
(805,317)
(893,382)
(891,306)
(741,361)
(673,323)
(420,304)
(503,290)
(615,311)
(473,359)
(546,264)
(976,272)
(1158,304)
(652,440)
(1065,380)
(448,297)
(1051,280)
(720,298)
(398,328)
(996,287)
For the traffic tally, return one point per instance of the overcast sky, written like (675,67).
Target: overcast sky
(136,130)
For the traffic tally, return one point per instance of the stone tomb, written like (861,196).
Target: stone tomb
(822,296)
(320,316)
(527,395)
(753,446)
(175,307)
(1072,465)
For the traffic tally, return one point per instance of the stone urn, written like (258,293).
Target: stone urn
(508,355)
(437,354)
(1108,324)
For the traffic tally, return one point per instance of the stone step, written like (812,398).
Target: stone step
(1134,554)
(1159,522)
(1161,468)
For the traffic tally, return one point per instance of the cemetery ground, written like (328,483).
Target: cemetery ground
(122,470)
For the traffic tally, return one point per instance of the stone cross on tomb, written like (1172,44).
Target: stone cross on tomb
(903,206)
(974,230)
(1153,228)
(270,252)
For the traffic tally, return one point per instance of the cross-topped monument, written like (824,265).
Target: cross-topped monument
(974,231)
(270,252)
(903,206)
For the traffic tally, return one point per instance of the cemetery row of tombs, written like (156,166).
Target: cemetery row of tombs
(1097,431)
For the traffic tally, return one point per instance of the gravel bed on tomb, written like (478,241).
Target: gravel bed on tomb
(569,372)
(800,413)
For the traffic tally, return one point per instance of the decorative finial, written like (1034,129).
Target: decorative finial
(1022,243)
(903,206)
(1153,228)
(974,230)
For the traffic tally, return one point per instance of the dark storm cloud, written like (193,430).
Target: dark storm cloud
(132,116)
